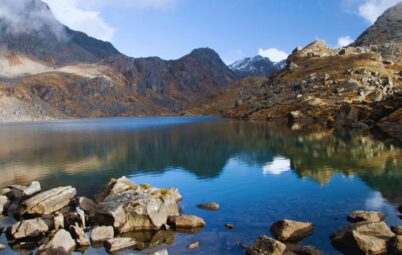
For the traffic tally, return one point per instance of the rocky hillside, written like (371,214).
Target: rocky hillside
(358,87)
(255,66)
(29,27)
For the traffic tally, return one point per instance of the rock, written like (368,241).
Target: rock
(193,245)
(363,237)
(292,249)
(79,235)
(371,216)
(75,218)
(137,210)
(32,189)
(58,221)
(186,221)
(212,206)
(397,244)
(120,243)
(292,66)
(397,229)
(115,186)
(3,203)
(229,226)
(33,228)
(266,246)
(342,52)
(288,230)
(243,245)
(49,201)
(87,204)
(176,194)
(100,234)
(2,247)
(61,243)
(4,191)
(295,115)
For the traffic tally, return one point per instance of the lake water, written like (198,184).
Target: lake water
(259,174)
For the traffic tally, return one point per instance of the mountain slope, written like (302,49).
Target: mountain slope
(29,27)
(387,29)
(255,66)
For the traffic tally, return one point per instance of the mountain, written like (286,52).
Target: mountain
(387,29)
(255,66)
(355,88)
(29,27)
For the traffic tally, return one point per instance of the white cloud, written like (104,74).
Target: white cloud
(345,41)
(273,54)
(85,15)
(278,166)
(370,10)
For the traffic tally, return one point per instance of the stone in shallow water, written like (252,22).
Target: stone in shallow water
(292,249)
(370,216)
(266,246)
(2,247)
(137,210)
(120,243)
(80,236)
(87,204)
(160,252)
(28,229)
(194,245)
(61,243)
(289,230)
(100,234)
(363,237)
(212,206)
(186,221)
(49,201)
(150,239)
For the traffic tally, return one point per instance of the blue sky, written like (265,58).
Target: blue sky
(234,28)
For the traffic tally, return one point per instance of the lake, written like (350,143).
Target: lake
(257,172)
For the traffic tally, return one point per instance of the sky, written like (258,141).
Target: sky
(235,29)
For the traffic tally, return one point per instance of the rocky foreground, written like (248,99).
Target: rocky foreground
(138,217)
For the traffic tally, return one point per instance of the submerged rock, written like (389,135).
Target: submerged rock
(186,221)
(160,252)
(266,246)
(61,243)
(363,237)
(194,245)
(138,209)
(33,228)
(100,234)
(49,201)
(120,243)
(292,249)
(229,226)
(212,206)
(370,216)
(289,230)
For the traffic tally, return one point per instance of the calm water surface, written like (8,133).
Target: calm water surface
(257,173)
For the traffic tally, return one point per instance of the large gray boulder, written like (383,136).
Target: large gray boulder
(62,243)
(28,229)
(364,237)
(289,230)
(49,201)
(141,207)
(266,246)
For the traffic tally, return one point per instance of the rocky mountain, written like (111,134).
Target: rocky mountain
(387,29)
(255,66)
(29,27)
(355,88)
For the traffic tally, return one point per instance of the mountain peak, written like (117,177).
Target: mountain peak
(387,29)
(254,66)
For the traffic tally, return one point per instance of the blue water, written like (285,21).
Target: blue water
(257,173)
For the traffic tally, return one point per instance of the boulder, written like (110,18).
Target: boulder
(371,216)
(120,243)
(266,246)
(115,186)
(211,206)
(186,221)
(397,245)
(79,235)
(229,226)
(3,203)
(292,249)
(32,189)
(87,204)
(363,237)
(397,229)
(61,243)
(141,209)
(58,221)
(289,230)
(33,228)
(101,234)
(49,201)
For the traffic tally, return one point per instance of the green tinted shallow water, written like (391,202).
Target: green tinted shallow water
(257,173)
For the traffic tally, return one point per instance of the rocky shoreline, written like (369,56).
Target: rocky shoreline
(139,217)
